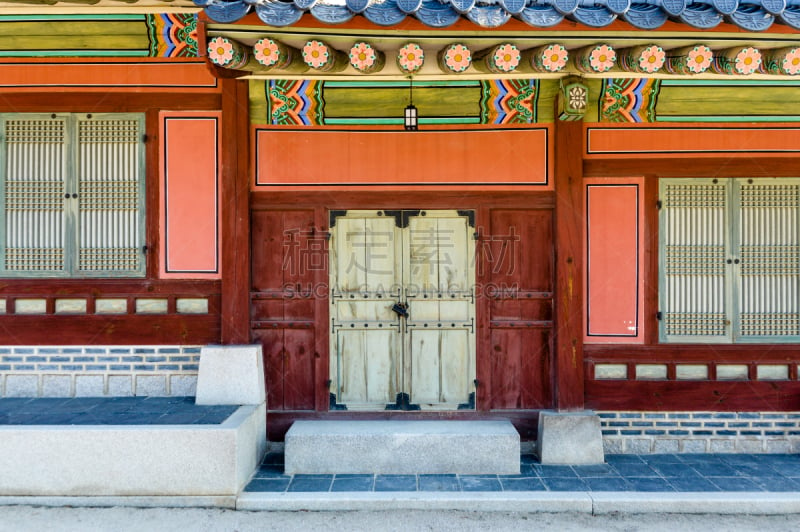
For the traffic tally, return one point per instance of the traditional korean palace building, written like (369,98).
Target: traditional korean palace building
(419,209)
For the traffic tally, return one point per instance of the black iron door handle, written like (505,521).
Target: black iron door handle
(401,309)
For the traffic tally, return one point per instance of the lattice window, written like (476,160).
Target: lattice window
(72,195)
(730,260)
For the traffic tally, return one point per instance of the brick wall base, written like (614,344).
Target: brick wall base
(700,432)
(97,371)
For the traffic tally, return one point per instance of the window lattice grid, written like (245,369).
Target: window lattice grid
(113,259)
(695,324)
(110,197)
(693,196)
(769,232)
(30,259)
(34,194)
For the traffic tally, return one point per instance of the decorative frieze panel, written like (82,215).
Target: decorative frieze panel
(313,103)
(276,55)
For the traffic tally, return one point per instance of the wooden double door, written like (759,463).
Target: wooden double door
(402,309)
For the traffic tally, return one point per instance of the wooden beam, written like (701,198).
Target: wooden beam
(235,213)
(567,365)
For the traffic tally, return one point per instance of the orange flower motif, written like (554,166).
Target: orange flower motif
(220,51)
(315,54)
(747,61)
(652,59)
(267,52)
(602,58)
(791,62)
(554,58)
(410,57)
(362,56)
(458,58)
(506,58)
(700,58)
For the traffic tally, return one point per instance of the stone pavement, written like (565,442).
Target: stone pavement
(669,473)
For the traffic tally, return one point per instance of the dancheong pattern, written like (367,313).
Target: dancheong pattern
(294,102)
(172,34)
(509,101)
(629,100)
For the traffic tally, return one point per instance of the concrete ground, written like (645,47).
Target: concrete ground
(42,519)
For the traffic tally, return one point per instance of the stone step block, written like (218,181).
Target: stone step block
(402,447)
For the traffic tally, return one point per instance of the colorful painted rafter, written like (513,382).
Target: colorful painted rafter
(318,57)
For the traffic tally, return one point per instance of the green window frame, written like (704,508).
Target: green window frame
(729,260)
(72,195)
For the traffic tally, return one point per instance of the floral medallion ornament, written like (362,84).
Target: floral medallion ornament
(740,61)
(784,61)
(271,54)
(410,58)
(550,58)
(226,53)
(500,59)
(596,59)
(689,60)
(643,59)
(505,58)
(365,58)
(322,57)
(455,58)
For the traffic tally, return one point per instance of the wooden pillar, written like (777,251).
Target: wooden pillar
(568,385)
(235,213)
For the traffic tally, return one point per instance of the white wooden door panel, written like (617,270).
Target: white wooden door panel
(424,348)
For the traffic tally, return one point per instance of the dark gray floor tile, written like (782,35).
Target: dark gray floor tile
(692,484)
(649,484)
(701,458)
(606,484)
(735,484)
(565,484)
(635,470)
(755,470)
(673,470)
(737,459)
(438,483)
(268,484)
(527,459)
(353,483)
(777,484)
(555,471)
(478,483)
(396,483)
(311,483)
(600,470)
(522,484)
(714,469)
(615,459)
(661,458)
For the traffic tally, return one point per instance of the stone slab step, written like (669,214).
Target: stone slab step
(402,447)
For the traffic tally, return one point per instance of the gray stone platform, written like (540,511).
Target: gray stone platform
(402,447)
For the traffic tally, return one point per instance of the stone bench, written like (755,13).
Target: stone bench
(402,447)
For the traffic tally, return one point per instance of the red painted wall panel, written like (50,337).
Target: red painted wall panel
(399,158)
(190,195)
(613,280)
